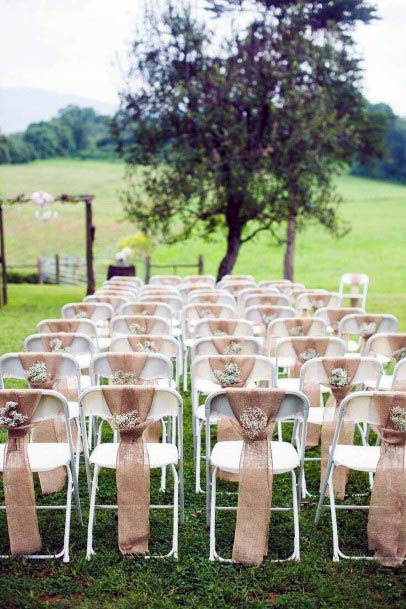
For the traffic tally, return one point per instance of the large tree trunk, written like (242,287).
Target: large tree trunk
(289,260)
(233,247)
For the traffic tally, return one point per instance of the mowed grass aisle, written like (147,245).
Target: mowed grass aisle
(112,582)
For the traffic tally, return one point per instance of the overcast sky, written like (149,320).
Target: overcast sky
(79,47)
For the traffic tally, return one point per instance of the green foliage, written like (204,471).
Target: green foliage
(243,134)
(20,277)
(140,244)
(74,132)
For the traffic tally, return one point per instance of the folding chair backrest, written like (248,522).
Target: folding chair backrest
(379,344)
(173,280)
(328,314)
(280,300)
(173,300)
(335,347)
(272,282)
(166,403)
(138,308)
(294,406)
(192,313)
(209,280)
(237,278)
(125,294)
(243,327)
(235,287)
(157,367)
(52,405)
(121,324)
(81,343)
(258,314)
(11,367)
(115,301)
(311,301)
(85,326)
(355,286)
(257,291)
(278,328)
(169,346)
(102,312)
(133,281)
(123,287)
(263,369)
(220,296)
(369,372)
(352,324)
(359,407)
(249,346)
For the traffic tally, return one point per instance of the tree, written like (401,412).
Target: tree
(215,126)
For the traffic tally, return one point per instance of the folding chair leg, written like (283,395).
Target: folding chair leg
(296,545)
(333,512)
(212,555)
(199,426)
(90,551)
(67,516)
(175,511)
(185,369)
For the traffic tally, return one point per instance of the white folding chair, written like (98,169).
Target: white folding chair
(46,457)
(141,308)
(121,325)
(332,316)
(308,302)
(379,346)
(85,326)
(227,456)
(231,277)
(279,329)
(354,287)
(222,297)
(260,315)
(359,408)
(209,280)
(167,403)
(173,280)
(136,282)
(257,291)
(102,315)
(272,282)
(204,383)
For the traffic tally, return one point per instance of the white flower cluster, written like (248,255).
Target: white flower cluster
(338,378)
(56,345)
(126,421)
(231,375)
(399,354)
(398,418)
(119,377)
(296,331)
(10,417)
(335,326)
(37,373)
(136,328)
(148,346)
(253,421)
(233,348)
(219,333)
(81,315)
(306,355)
(268,318)
(367,329)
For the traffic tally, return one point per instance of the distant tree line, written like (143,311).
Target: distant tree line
(392,166)
(75,132)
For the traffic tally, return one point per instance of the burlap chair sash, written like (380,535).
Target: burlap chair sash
(255,411)
(52,430)
(222,344)
(397,345)
(144,308)
(145,343)
(130,407)
(21,509)
(387,512)
(114,301)
(298,326)
(330,417)
(317,301)
(209,310)
(63,325)
(57,341)
(224,327)
(368,325)
(336,315)
(212,298)
(84,309)
(140,324)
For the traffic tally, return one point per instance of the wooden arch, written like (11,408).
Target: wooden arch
(63,198)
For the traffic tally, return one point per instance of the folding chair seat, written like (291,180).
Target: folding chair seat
(46,457)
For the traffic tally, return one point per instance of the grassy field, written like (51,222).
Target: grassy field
(375,245)
(112,582)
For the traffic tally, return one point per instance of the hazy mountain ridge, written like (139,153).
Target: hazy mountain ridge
(21,106)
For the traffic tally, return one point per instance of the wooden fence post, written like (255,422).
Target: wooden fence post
(90,232)
(3,258)
(201,265)
(147,268)
(57,270)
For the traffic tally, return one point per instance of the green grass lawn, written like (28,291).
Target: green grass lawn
(112,582)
